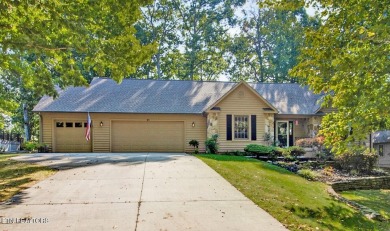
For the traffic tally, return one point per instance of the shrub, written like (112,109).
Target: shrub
(259,149)
(328,171)
(361,162)
(42,148)
(278,151)
(310,142)
(325,155)
(292,152)
(292,167)
(308,174)
(211,144)
(31,146)
(195,144)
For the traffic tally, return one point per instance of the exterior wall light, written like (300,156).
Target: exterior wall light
(101,123)
(193,124)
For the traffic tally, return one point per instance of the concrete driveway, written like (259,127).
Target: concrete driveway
(144,191)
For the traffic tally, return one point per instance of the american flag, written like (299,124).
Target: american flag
(88,130)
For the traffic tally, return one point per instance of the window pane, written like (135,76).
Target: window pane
(381,150)
(69,124)
(241,126)
(60,124)
(78,125)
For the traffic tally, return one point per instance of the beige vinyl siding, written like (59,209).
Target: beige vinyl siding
(101,136)
(242,101)
(47,131)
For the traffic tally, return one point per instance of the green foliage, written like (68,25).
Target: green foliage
(310,142)
(347,59)
(262,150)
(159,24)
(259,149)
(235,153)
(46,43)
(293,152)
(50,33)
(377,200)
(31,146)
(361,162)
(195,144)
(268,45)
(212,144)
(191,37)
(308,174)
(297,203)
(278,150)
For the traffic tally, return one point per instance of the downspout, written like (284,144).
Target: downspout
(40,128)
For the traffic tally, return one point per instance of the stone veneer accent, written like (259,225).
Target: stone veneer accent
(212,124)
(362,183)
(269,127)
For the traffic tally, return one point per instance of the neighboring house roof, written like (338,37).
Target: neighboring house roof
(170,96)
(381,137)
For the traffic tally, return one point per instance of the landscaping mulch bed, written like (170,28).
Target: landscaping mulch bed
(324,169)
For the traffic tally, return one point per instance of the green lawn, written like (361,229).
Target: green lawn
(297,203)
(378,200)
(16,175)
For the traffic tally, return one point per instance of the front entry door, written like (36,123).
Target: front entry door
(284,133)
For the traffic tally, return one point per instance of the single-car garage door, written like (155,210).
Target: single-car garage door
(70,136)
(151,136)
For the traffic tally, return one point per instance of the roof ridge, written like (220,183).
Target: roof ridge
(197,81)
(167,80)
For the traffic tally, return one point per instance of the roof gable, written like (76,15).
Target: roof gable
(242,83)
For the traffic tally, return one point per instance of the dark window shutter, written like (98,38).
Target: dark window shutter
(253,127)
(228,127)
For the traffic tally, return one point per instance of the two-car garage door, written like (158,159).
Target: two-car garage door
(150,136)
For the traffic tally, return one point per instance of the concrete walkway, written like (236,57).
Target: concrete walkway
(132,192)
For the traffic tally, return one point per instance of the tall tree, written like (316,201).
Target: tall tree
(268,45)
(158,25)
(50,33)
(203,30)
(348,59)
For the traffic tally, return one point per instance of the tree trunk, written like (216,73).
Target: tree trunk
(27,134)
(158,65)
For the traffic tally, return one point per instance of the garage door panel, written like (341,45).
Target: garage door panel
(153,136)
(71,139)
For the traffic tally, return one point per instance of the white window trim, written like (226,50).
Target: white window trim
(287,132)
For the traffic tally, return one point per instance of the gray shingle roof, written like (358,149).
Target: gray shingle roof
(381,137)
(289,98)
(171,96)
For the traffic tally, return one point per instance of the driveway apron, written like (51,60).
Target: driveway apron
(136,191)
